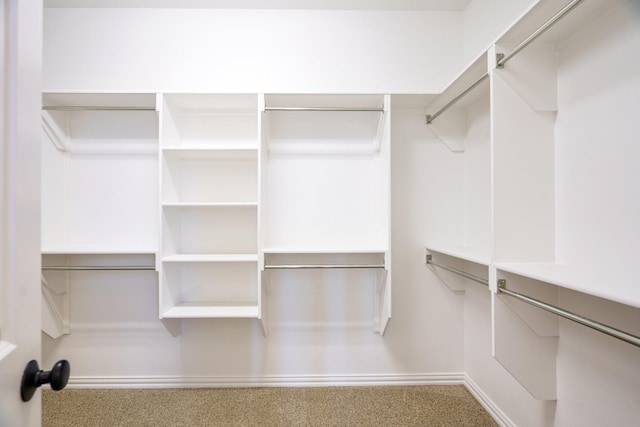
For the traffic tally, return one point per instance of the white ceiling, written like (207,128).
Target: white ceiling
(268,4)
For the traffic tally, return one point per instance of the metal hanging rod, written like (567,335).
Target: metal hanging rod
(310,266)
(503,59)
(363,109)
(432,117)
(600,327)
(95,267)
(456,271)
(94,108)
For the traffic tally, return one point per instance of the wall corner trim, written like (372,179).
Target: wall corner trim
(489,405)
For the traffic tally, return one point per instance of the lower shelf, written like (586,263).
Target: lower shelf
(611,284)
(212,310)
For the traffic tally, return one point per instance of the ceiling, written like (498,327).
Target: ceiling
(455,5)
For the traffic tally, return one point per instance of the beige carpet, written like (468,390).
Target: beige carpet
(314,406)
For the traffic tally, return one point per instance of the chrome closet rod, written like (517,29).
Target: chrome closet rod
(432,117)
(364,109)
(95,267)
(94,108)
(537,33)
(600,327)
(456,271)
(303,266)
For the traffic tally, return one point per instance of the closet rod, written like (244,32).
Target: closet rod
(303,266)
(95,267)
(364,109)
(600,327)
(93,108)
(502,59)
(432,117)
(456,271)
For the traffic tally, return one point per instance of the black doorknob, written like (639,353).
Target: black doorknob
(33,377)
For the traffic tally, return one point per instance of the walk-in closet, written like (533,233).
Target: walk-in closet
(359,193)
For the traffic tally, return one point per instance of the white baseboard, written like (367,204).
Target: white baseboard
(265,381)
(488,404)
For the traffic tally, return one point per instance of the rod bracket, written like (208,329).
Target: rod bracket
(499,57)
(428,258)
(502,284)
(428,119)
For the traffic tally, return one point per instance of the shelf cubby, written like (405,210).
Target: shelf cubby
(222,121)
(209,230)
(210,175)
(209,289)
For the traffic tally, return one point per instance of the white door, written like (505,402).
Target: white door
(20,103)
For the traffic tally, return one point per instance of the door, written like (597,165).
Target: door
(20,103)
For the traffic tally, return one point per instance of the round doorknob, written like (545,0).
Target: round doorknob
(33,377)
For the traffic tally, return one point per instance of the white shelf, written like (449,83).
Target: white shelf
(222,152)
(211,258)
(581,279)
(461,82)
(322,250)
(75,250)
(578,19)
(213,102)
(476,255)
(96,99)
(209,204)
(213,310)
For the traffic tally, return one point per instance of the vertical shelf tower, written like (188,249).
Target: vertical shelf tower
(208,263)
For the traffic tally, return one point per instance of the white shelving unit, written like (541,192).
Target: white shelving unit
(326,198)
(552,217)
(222,192)
(95,221)
(209,206)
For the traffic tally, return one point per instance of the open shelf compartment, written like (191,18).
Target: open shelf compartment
(209,290)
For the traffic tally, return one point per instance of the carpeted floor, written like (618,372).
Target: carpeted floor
(314,406)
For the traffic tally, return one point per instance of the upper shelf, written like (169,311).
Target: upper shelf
(325,124)
(578,19)
(460,83)
(89,250)
(475,255)
(201,103)
(446,116)
(146,101)
(97,123)
(222,121)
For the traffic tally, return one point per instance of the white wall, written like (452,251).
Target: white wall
(115,334)
(250,51)
(485,20)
